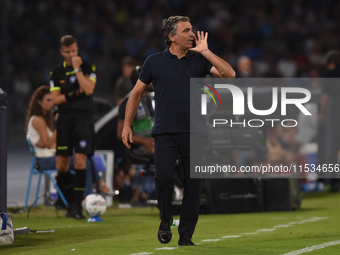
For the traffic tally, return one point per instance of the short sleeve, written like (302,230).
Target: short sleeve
(54,83)
(146,72)
(90,69)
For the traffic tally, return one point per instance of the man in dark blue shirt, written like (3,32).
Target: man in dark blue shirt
(170,72)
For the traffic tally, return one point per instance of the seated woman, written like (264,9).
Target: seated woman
(39,129)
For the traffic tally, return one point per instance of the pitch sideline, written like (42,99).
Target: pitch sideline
(290,224)
(313,248)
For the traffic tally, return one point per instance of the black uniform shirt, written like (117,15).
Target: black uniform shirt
(64,79)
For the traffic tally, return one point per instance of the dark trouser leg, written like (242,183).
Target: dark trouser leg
(192,190)
(79,186)
(66,180)
(166,153)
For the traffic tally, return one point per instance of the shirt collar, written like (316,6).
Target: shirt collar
(66,66)
(189,55)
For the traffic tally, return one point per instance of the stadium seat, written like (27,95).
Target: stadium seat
(34,169)
(138,160)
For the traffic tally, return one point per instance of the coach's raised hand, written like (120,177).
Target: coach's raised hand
(201,42)
(220,69)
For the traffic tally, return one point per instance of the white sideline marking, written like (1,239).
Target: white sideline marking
(72,226)
(211,240)
(316,247)
(166,248)
(292,223)
(266,230)
(312,248)
(141,253)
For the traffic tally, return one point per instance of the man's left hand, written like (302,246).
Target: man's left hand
(76,62)
(201,42)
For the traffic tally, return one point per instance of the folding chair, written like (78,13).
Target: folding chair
(35,170)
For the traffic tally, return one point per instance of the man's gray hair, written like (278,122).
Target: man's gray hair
(170,26)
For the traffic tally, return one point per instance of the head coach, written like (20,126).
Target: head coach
(170,71)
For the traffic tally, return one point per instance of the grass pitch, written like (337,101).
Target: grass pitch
(130,231)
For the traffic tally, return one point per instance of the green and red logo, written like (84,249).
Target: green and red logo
(213,90)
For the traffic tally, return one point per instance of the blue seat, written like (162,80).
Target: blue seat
(35,170)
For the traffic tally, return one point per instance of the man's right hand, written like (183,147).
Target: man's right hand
(127,135)
(76,62)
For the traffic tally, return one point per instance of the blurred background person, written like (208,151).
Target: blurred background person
(143,143)
(123,84)
(244,68)
(281,146)
(330,101)
(130,189)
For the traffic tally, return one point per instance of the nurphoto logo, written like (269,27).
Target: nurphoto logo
(238,99)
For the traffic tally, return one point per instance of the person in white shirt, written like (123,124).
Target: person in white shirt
(39,126)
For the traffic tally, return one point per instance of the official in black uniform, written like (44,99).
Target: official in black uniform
(72,84)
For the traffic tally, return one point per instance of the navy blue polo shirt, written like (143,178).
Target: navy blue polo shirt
(170,77)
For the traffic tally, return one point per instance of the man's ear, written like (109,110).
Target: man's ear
(172,37)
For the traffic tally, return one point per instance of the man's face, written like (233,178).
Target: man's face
(68,52)
(184,36)
(119,180)
(127,70)
(244,66)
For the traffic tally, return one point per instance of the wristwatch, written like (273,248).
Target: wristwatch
(77,70)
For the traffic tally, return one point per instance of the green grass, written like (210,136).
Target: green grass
(127,231)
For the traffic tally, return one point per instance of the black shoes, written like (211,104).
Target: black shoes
(69,213)
(74,212)
(77,214)
(185,241)
(164,235)
(164,232)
